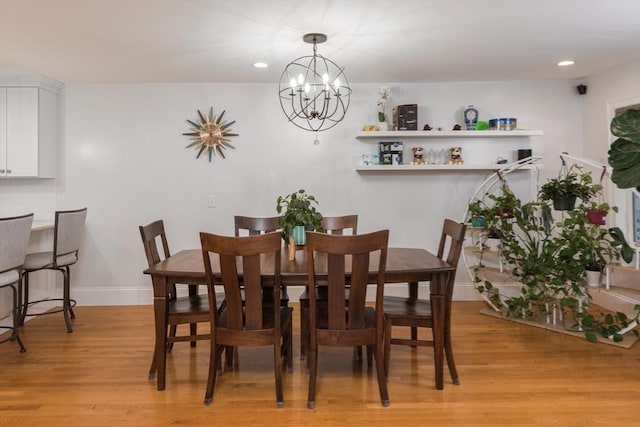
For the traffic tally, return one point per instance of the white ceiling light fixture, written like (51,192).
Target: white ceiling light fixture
(566,62)
(260,64)
(314,91)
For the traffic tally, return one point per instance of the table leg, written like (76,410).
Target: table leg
(413,294)
(160,314)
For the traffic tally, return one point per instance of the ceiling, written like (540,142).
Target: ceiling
(134,41)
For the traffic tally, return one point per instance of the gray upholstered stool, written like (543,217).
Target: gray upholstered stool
(14,238)
(69,227)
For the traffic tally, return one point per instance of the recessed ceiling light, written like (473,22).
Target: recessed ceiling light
(566,63)
(260,64)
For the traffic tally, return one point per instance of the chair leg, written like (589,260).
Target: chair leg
(312,363)
(304,333)
(154,366)
(382,378)
(387,345)
(172,333)
(66,309)
(15,334)
(215,354)
(277,368)
(193,327)
(23,303)
(288,347)
(448,352)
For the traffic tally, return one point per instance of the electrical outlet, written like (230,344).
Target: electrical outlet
(211,201)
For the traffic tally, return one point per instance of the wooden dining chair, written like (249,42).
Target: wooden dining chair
(248,320)
(337,225)
(334,324)
(255,225)
(191,309)
(67,235)
(416,313)
(14,239)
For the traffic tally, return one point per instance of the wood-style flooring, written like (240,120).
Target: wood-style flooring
(510,374)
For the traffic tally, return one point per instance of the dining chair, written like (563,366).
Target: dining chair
(67,234)
(248,319)
(416,313)
(347,260)
(14,239)
(253,226)
(332,225)
(190,309)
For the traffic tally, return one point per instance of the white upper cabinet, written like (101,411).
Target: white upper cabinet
(28,132)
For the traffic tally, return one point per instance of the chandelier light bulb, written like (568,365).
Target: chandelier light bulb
(293,83)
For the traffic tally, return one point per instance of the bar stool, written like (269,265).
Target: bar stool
(14,238)
(68,230)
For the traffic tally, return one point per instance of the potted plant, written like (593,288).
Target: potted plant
(298,214)
(571,184)
(476,211)
(549,259)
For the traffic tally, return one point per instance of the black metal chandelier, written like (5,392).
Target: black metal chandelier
(314,91)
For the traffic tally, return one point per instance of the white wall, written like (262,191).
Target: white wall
(124,157)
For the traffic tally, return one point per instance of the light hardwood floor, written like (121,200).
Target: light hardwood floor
(510,374)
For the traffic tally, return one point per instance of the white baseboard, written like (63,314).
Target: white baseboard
(134,296)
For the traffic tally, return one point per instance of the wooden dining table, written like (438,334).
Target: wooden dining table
(404,265)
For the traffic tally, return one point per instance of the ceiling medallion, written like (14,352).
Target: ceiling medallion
(314,91)
(211,134)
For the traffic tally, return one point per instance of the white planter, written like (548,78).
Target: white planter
(493,244)
(593,278)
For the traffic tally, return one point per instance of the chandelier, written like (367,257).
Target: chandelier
(314,91)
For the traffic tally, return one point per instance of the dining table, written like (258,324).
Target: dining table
(404,265)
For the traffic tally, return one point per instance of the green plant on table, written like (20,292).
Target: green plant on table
(298,209)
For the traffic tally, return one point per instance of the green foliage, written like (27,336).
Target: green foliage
(548,257)
(298,208)
(571,183)
(624,153)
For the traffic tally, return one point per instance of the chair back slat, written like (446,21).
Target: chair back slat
(347,256)
(338,224)
(151,235)
(255,225)
(14,239)
(358,290)
(69,226)
(450,248)
(241,262)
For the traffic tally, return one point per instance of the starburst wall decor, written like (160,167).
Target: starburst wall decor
(211,133)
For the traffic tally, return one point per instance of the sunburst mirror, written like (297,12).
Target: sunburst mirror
(210,134)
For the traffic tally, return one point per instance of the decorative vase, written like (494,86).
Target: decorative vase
(299,235)
(470,117)
(383,126)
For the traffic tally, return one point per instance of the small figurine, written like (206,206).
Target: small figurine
(457,127)
(427,127)
(455,156)
(418,156)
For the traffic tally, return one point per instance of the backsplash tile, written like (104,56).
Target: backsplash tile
(20,196)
